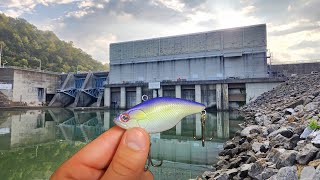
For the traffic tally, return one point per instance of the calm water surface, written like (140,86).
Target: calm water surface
(33,143)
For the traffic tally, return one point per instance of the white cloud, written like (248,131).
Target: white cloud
(172,4)
(15,8)
(80,13)
(97,45)
(12,13)
(248,10)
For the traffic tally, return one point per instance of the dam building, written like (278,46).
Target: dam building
(27,87)
(221,69)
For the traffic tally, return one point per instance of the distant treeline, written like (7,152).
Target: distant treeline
(24,46)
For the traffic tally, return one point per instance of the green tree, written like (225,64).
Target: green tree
(24,45)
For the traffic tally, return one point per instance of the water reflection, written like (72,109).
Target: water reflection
(184,157)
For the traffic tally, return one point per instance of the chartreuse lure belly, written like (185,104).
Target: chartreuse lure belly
(158,114)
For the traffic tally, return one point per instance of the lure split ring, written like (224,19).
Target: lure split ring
(144,97)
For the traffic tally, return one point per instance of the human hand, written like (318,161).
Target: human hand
(115,154)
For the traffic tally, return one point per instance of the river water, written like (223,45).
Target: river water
(33,143)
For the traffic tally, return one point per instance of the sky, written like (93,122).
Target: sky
(293,26)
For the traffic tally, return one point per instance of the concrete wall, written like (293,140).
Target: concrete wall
(209,68)
(253,90)
(237,52)
(26,85)
(299,68)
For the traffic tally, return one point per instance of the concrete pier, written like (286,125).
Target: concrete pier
(178,91)
(107,97)
(160,92)
(225,97)
(122,97)
(154,93)
(222,97)
(138,95)
(197,89)
(219,96)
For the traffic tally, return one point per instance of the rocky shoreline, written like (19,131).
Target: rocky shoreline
(280,138)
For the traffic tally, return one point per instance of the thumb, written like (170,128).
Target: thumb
(130,157)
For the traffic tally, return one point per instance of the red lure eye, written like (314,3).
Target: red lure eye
(124,117)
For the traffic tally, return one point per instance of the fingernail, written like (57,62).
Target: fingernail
(135,139)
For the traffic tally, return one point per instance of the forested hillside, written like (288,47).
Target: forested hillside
(24,46)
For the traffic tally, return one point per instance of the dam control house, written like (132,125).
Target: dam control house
(221,69)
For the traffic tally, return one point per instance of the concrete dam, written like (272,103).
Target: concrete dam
(222,69)
(81,90)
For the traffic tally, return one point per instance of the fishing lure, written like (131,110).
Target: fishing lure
(158,114)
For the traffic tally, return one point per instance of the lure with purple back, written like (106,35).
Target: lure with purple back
(158,114)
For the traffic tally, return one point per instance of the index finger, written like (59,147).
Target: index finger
(98,154)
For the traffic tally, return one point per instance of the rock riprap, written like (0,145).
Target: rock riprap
(280,138)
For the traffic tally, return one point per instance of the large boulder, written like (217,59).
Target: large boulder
(257,168)
(286,173)
(307,154)
(246,132)
(307,173)
(282,157)
(306,133)
(283,131)
(311,106)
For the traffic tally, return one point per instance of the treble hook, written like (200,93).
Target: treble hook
(150,162)
(203,122)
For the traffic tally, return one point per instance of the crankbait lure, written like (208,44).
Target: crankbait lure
(158,114)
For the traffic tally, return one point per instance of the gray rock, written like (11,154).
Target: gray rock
(307,173)
(275,117)
(279,140)
(316,141)
(267,173)
(317,156)
(283,131)
(272,127)
(235,162)
(244,170)
(286,173)
(313,134)
(311,106)
(306,132)
(229,145)
(299,108)
(292,142)
(256,146)
(263,120)
(232,172)
(317,174)
(315,117)
(250,130)
(224,176)
(256,169)
(300,145)
(289,111)
(307,154)
(208,174)
(282,157)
